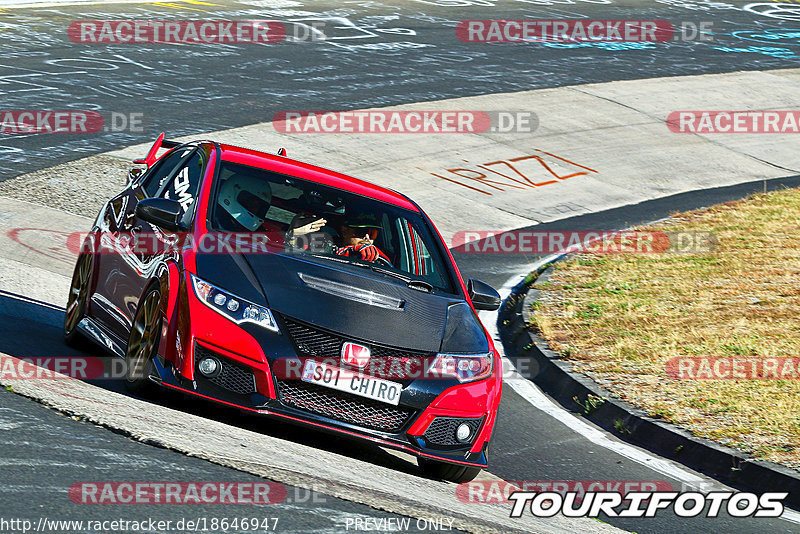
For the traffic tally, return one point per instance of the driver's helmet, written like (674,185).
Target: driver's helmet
(246,199)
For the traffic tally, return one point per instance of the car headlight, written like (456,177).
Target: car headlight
(464,367)
(234,308)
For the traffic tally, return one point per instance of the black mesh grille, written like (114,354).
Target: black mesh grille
(442,430)
(342,406)
(313,342)
(385,361)
(232,376)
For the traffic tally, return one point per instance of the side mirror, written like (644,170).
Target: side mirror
(483,296)
(161,212)
(134,174)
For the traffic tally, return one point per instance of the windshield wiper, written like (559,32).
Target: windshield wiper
(389,273)
(420,285)
(412,283)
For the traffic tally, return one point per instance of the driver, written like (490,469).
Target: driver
(358,234)
(245,201)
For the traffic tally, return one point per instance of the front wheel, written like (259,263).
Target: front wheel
(143,343)
(76,302)
(448,472)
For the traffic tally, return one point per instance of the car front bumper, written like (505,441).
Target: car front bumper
(419,425)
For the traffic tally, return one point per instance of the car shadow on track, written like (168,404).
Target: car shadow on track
(32,329)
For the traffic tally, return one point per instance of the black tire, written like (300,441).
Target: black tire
(76,302)
(143,343)
(448,472)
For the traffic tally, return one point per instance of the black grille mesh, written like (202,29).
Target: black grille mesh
(442,431)
(314,342)
(342,406)
(233,377)
(317,343)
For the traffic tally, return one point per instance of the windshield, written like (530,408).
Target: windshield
(305,218)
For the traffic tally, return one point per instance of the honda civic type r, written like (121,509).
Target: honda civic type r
(292,291)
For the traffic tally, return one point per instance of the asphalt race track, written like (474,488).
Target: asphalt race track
(376,54)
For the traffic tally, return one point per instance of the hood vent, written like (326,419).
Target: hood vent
(349,292)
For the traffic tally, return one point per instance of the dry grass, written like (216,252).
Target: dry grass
(621,317)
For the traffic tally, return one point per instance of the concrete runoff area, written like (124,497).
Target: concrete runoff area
(620,152)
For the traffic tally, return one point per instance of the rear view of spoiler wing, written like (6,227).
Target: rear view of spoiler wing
(160,143)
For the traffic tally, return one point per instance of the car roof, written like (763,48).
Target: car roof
(299,169)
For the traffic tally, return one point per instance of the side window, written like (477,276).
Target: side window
(158,175)
(415,257)
(184,184)
(425,262)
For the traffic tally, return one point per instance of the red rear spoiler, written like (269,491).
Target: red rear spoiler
(160,143)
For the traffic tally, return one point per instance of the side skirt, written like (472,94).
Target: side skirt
(101,336)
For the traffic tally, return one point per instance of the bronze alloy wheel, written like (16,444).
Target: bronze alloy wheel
(77,299)
(143,342)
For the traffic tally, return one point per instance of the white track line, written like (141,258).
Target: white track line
(531,393)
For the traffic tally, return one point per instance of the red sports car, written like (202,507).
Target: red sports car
(292,291)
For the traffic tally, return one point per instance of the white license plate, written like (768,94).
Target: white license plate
(344,380)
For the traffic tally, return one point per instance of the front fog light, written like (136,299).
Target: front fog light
(208,367)
(463,432)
